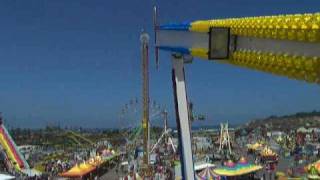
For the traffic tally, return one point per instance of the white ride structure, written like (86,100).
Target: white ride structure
(224,140)
(283,45)
(165,136)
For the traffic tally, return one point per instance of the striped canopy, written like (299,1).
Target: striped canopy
(238,170)
(207,174)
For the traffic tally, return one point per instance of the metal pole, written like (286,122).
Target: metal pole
(144,38)
(165,113)
(182,117)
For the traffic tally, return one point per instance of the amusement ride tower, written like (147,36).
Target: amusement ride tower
(144,39)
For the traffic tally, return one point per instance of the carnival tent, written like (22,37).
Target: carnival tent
(207,174)
(237,169)
(108,152)
(95,161)
(316,165)
(267,152)
(313,173)
(6,177)
(90,165)
(79,170)
(201,166)
(254,146)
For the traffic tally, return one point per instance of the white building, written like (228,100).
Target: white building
(276,134)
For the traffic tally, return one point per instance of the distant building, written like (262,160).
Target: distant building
(302,130)
(275,134)
(202,142)
(26,150)
(308,130)
(311,134)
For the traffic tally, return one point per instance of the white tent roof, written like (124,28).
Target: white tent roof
(6,177)
(31,172)
(124,163)
(201,166)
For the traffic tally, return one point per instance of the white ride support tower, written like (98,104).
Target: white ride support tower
(165,136)
(182,116)
(224,140)
(144,39)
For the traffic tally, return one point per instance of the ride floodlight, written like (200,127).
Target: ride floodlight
(144,37)
(219,43)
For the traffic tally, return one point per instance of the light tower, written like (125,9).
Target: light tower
(144,39)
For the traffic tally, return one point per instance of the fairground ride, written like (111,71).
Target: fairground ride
(78,138)
(130,118)
(284,45)
(131,127)
(165,136)
(224,141)
(14,159)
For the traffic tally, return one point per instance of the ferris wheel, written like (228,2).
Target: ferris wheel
(131,114)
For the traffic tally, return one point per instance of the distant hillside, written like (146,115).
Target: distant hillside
(287,122)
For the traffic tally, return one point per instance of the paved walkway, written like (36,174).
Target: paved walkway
(112,175)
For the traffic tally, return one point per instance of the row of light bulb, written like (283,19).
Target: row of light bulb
(296,67)
(299,27)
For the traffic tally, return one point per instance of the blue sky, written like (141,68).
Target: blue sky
(77,62)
